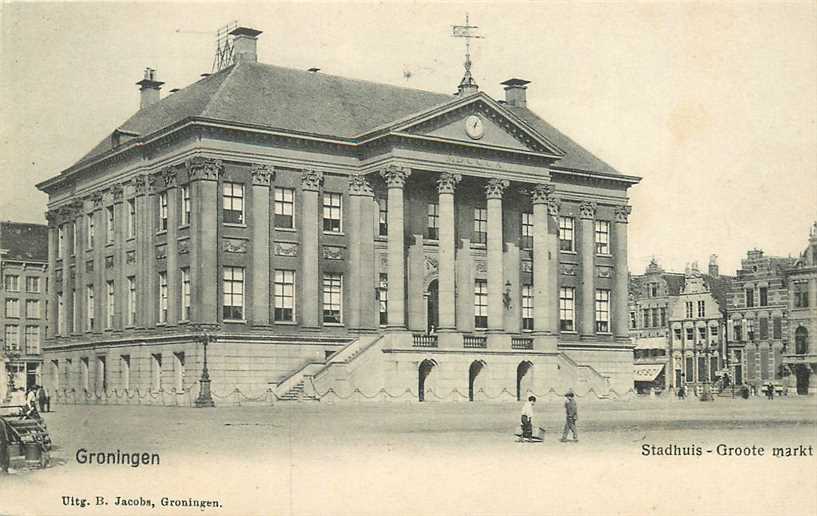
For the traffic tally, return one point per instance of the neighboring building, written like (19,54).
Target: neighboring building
(800,355)
(346,237)
(757,326)
(23,303)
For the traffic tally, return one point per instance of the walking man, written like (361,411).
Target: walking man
(571,415)
(527,418)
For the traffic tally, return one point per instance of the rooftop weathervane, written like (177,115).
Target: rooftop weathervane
(469,32)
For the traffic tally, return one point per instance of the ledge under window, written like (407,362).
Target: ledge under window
(234,225)
(286,323)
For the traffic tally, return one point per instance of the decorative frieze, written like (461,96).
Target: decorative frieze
(234,245)
(331,252)
(262,175)
(96,199)
(587,210)
(622,213)
(311,179)
(359,185)
(169,177)
(286,248)
(496,188)
(206,169)
(481,267)
(117,192)
(567,269)
(541,193)
(395,176)
(447,183)
(140,185)
(604,272)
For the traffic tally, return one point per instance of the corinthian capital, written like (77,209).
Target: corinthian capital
(447,183)
(207,169)
(496,188)
(622,213)
(395,176)
(587,210)
(553,206)
(117,192)
(540,193)
(169,177)
(359,185)
(262,175)
(140,185)
(311,179)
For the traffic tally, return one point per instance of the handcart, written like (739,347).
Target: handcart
(27,435)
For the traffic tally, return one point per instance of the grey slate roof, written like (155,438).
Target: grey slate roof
(24,242)
(314,103)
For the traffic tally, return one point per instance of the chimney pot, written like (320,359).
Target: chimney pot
(245,44)
(515,92)
(149,88)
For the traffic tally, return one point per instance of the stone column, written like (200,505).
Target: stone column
(465,288)
(395,180)
(205,174)
(543,290)
(360,192)
(587,213)
(812,292)
(67,280)
(446,283)
(496,284)
(621,283)
(553,204)
(262,176)
(140,187)
(311,182)
(171,249)
(53,221)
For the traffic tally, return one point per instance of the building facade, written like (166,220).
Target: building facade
(335,238)
(24,302)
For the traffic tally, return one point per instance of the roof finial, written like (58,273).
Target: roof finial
(467,85)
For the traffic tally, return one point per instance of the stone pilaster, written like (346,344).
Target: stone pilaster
(143,235)
(360,192)
(415,297)
(67,280)
(98,253)
(262,176)
(311,183)
(120,234)
(587,214)
(395,178)
(465,288)
(172,260)
(369,313)
(496,283)
(53,222)
(446,186)
(620,285)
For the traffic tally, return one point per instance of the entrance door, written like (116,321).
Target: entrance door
(523,379)
(474,372)
(803,374)
(433,319)
(425,372)
(801,341)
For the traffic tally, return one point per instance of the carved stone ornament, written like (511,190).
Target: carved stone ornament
(140,185)
(527,266)
(234,245)
(587,210)
(183,246)
(53,218)
(311,179)
(622,213)
(604,272)
(496,188)
(89,266)
(481,267)
(553,206)
(207,169)
(109,262)
(156,182)
(395,176)
(431,264)
(161,252)
(169,177)
(447,183)
(331,252)
(117,192)
(286,249)
(384,261)
(59,275)
(359,185)
(540,193)
(96,199)
(130,257)
(567,269)
(262,175)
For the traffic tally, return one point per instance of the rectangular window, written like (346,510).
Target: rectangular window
(702,334)
(777,328)
(186,205)
(12,283)
(332,298)
(156,372)
(690,370)
(653,289)
(284,207)
(663,316)
(162,297)
(233,308)
(75,314)
(764,296)
(688,306)
(186,294)
(89,307)
(32,338)
(382,217)
(764,328)
(527,230)
(567,306)
(32,309)
(433,221)
(12,334)
(109,224)
(602,228)
(109,305)
(33,284)
(74,232)
(480,304)
(678,335)
(83,373)
(713,331)
(163,211)
(690,335)
(132,300)
(131,218)
(332,212)
(645,317)
(60,314)
(750,329)
(90,230)
(654,312)
(701,308)
(124,371)
(284,295)
(480,225)
(566,233)
(527,307)
(633,321)
(233,199)
(750,298)
(603,311)
(383,298)
(60,239)
(736,330)
(800,294)
(12,308)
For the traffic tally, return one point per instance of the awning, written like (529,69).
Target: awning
(651,343)
(647,372)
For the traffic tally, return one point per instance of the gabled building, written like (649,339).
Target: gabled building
(336,238)
(800,353)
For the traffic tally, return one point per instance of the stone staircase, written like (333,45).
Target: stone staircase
(297,393)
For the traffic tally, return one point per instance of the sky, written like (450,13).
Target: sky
(713,105)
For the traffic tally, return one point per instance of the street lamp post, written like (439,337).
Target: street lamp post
(205,397)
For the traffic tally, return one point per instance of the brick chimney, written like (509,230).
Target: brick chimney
(149,89)
(713,265)
(515,92)
(245,45)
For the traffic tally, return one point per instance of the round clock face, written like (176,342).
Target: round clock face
(474,127)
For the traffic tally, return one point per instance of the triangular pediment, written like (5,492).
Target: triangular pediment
(477,121)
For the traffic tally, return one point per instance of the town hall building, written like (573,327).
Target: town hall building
(302,235)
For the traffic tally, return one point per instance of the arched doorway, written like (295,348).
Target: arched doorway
(432,306)
(524,379)
(425,374)
(476,374)
(801,341)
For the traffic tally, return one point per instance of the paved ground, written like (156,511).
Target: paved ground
(435,459)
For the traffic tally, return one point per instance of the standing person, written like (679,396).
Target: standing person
(31,398)
(47,398)
(41,397)
(4,448)
(571,415)
(527,418)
